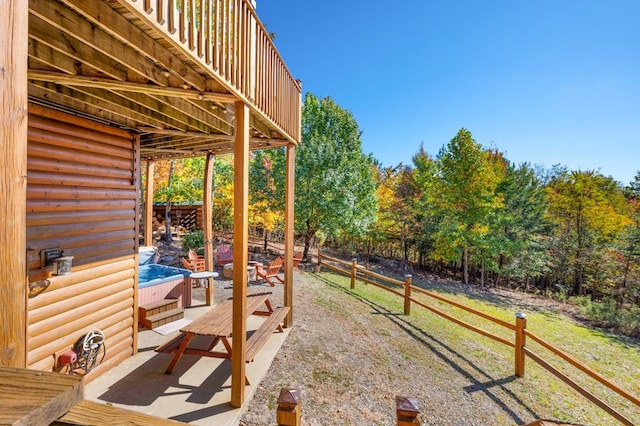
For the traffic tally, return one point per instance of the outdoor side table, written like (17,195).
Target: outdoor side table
(206,277)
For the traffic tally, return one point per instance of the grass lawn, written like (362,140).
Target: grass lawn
(489,363)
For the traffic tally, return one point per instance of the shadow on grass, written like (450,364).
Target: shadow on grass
(480,379)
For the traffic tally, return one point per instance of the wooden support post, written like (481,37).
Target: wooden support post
(13,181)
(407,411)
(289,247)
(289,410)
(148,204)
(521,340)
(354,271)
(207,219)
(240,253)
(407,294)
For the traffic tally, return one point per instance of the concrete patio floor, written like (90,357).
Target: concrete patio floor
(199,389)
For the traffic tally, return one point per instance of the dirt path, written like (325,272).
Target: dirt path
(351,358)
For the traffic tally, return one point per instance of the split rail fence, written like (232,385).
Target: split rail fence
(405,289)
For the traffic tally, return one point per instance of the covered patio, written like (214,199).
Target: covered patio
(92,92)
(199,389)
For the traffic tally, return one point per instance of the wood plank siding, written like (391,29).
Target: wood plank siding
(81,197)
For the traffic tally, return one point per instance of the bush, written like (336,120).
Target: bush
(193,240)
(607,314)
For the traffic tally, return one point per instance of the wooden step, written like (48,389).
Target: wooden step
(157,307)
(162,318)
(159,313)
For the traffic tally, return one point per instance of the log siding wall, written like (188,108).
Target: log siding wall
(81,197)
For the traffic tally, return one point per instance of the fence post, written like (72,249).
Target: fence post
(407,411)
(289,407)
(521,340)
(354,271)
(407,294)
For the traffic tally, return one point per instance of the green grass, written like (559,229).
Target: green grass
(615,357)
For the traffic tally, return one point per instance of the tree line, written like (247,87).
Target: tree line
(466,211)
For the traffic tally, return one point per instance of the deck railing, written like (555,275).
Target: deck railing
(520,333)
(227,38)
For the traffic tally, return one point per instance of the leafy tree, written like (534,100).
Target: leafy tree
(335,190)
(465,194)
(395,221)
(588,210)
(521,225)
(266,187)
(427,218)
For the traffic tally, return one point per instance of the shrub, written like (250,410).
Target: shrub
(607,314)
(193,240)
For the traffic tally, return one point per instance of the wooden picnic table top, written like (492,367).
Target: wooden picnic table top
(219,320)
(36,397)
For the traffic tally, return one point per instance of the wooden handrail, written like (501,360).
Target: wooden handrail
(584,369)
(577,387)
(382,286)
(464,324)
(333,259)
(227,38)
(465,308)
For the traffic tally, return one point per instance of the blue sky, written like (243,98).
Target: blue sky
(544,81)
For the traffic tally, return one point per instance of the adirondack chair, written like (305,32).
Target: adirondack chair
(196,265)
(297,258)
(194,256)
(224,255)
(270,271)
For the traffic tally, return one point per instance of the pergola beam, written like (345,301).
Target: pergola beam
(107,83)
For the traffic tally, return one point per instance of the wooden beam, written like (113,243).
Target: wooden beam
(289,246)
(13,182)
(107,83)
(148,204)
(217,137)
(76,49)
(43,95)
(207,219)
(50,57)
(240,249)
(75,26)
(88,101)
(177,110)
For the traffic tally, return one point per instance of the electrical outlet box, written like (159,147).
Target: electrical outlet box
(47,256)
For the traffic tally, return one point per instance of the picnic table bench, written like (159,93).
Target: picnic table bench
(217,325)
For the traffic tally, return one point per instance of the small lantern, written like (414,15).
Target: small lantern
(62,265)
(289,410)
(407,411)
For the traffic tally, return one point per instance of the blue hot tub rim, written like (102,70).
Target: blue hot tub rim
(154,274)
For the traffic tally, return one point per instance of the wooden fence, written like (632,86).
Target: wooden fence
(405,288)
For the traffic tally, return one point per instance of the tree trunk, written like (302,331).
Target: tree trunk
(465,265)
(307,244)
(266,239)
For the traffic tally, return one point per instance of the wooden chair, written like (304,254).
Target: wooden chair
(224,255)
(297,258)
(194,256)
(196,265)
(270,271)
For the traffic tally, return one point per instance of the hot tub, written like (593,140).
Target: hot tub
(157,282)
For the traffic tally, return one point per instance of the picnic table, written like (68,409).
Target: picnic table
(217,325)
